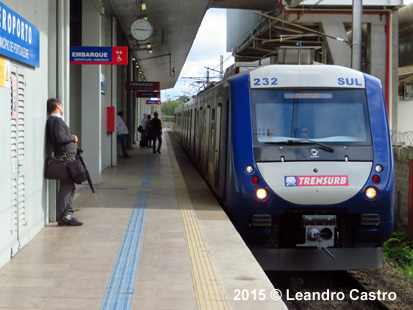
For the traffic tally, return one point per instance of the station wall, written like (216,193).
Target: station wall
(22,222)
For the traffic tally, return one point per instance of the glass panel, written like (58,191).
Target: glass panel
(333,116)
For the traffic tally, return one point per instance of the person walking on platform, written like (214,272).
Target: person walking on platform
(62,142)
(123,133)
(148,129)
(156,128)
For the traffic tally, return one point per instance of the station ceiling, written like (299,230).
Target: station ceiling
(175,25)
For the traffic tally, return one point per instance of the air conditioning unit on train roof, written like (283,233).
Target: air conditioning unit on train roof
(239,67)
(296,55)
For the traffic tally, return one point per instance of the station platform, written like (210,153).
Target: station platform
(155,238)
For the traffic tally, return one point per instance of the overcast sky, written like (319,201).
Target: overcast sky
(209,44)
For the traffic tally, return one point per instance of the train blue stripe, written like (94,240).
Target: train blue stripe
(120,288)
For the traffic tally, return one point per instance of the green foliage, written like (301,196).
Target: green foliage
(399,250)
(296,284)
(168,107)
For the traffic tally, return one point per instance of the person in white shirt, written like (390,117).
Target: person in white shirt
(123,133)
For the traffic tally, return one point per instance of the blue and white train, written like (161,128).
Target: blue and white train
(300,157)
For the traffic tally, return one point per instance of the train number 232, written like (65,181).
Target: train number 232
(265,81)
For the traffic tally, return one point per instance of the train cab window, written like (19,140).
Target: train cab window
(327,116)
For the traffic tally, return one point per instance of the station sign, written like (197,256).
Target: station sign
(158,102)
(19,38)
(99,55)
(147,86)
(148,94)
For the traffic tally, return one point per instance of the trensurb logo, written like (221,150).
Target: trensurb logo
(290,181)
(320,180)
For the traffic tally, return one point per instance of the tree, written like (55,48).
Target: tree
(168,107)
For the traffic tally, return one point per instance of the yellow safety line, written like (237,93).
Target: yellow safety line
(208,290)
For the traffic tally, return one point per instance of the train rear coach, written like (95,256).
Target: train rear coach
(300,157)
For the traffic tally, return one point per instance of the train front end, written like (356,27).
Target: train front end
(313,167)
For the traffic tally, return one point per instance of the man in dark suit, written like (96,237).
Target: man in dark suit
(63,143)
(156,128)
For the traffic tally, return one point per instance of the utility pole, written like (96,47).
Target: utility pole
(221,67)
(356,47)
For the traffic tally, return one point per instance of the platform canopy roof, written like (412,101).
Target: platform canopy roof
(175,25)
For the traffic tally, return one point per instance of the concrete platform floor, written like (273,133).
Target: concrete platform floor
(186,253)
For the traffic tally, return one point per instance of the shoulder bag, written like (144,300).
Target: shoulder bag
(56,167)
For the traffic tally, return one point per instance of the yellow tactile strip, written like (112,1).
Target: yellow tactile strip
(207,287)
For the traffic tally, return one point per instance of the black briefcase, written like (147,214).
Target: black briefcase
(56,168)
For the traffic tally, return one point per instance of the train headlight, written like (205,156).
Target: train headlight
(371,192)
(249,169)
(378,168)
(261,193)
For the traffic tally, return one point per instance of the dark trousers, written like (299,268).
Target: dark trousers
(122,140)
(158,136)
(64,202)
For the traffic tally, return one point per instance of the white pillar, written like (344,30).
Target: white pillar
(114,148)
(91,98)
(356,48)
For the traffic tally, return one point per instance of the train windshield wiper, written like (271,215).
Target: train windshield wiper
(304,141)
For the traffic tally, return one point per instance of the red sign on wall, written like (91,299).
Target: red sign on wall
(110,119)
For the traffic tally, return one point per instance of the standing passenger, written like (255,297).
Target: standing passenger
(123,133)
(148,129)
(143,121)
(156,132)
(63,144)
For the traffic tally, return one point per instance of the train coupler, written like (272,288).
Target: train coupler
(319,232)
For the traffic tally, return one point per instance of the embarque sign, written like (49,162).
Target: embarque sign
(19,38)
(99,55)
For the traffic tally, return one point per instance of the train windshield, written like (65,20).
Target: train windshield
(324,116)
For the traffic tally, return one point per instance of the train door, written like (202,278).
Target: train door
(211,156)
(195,133)
(199,136)
(207,121)
(188,126)
(217,144)
(17,156)
(190,132)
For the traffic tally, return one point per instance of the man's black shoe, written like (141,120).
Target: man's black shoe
(70,220)
(159,152)
(127,156)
